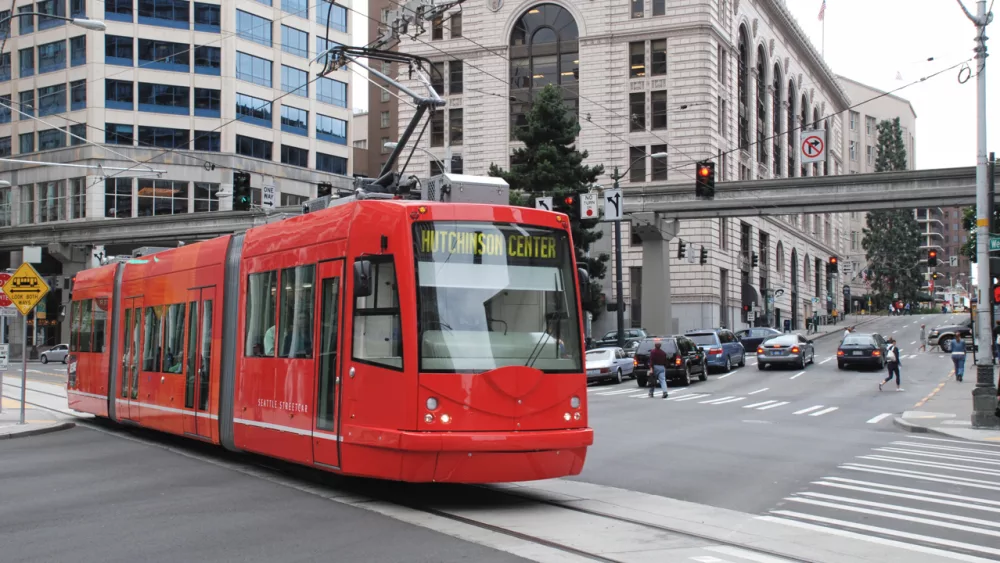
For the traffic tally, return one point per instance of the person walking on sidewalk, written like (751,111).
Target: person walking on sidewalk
(923,338)
(892,364)
(658,359)
(958,357)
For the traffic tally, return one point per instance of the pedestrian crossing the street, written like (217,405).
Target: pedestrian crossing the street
(936,496)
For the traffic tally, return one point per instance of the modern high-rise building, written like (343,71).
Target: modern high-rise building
(147,122)
(383,103)
(704,79)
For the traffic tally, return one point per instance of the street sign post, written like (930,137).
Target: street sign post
(543,203)
(588,206)
(614,204)
(25,288)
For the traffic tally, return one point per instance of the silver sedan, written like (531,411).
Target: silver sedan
(609,363)
(57,353)
(787,349)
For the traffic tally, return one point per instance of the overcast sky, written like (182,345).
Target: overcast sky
(871,41)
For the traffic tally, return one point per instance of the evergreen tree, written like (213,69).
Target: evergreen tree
(892,238)
(969,224)
(550,165)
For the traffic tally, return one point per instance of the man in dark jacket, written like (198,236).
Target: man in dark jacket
(892,364)
(658,361)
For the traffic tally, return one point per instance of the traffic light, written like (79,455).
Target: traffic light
(570,205)
(996,294)
(831,266)
(241,191)
(704,256)
(704,185)
(932,258)
(681,249)
(753,260)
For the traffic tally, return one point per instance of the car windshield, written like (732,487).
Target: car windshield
(610,335)
(782,341)
(706,339)
(646,345)
(859,340)
(491,295)
(599,355)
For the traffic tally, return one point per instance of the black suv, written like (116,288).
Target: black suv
(684,359)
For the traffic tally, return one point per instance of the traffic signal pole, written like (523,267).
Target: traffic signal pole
(619,291)
(984,396)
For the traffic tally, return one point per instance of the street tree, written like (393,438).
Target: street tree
(549,164)
(969,225)
(892,238)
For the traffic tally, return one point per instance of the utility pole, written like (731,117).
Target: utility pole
(984,396)
(619,292)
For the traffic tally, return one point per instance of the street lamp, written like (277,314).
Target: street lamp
(85,23)
(620,294)
(393,144)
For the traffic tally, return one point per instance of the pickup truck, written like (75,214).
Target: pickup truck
(945,334)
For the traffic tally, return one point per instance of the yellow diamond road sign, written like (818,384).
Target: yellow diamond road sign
(25,288)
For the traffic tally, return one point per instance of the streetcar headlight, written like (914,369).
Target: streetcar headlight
(428,418)
(575,402)
(576,416)
(566,417)
(445,419)
(432,403)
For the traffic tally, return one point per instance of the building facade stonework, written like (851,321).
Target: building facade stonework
(697,79)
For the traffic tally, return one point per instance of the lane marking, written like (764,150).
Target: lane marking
(884,531)
(879,418)
(824,411)
(826,360)
(617,392)
(715,400)
(914,342)
(788,514)
(946,448)
(900,508)
(940,386)
(930,464)
(743,554)
(810,409)
(874,485)
(966,442)
(903,517)
(797,374)
(758,391)
(727,375)
(758,404)
(688,397)
(733,400)
(775,405)
(938,455)
(924,476)
(962,504)
(639,395)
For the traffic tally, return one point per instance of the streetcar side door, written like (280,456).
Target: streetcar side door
(198,364)
(128,391)
(326,422)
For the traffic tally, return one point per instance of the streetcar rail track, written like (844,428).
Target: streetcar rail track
(368,488)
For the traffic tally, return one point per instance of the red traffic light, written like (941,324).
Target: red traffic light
(996,294)
(703,171)
(833,260)
(569,200)
(932,254)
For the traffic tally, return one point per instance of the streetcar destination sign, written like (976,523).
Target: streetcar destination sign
(487,244)
(25,288)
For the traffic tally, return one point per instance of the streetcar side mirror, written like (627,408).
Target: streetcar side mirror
(362,278)
(584,286)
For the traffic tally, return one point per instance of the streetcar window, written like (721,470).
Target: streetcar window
(328,353)
(192,327)
(378,338)
(295,334)
(261,309)
(173,353)
(100,316)
(85,314)
(152,338)
(206,353)
(74,327)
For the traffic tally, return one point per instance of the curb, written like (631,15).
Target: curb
(898,422)
(38,431)
(839,332)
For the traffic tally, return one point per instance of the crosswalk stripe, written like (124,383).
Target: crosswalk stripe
(924,476)
(934,464)
(968,503)
(944,554)
(775,405)
(894,516)
(638,396)
(966,442)
(733,400)
(617,392)
(912,490)
(688,397)
(900,508)
(824,411)
(758,391)
(758,404)
(945,448)
(715,400)
(936,455)
(810,409)
(879,418)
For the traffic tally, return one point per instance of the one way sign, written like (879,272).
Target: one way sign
(543,203)
(613,205)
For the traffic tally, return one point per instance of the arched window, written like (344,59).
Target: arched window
(795,271)
(761,105)
(779,261)
(791,129)
(805,271)
(743,93)
(829,137)
(776,119)
(544,49)
(815,125)
(803,122)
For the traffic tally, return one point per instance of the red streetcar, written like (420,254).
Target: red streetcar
(395,339)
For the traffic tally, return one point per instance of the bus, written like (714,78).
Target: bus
(386,338)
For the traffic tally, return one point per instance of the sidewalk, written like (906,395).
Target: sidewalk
(839,328)
(947,411)
(36,421)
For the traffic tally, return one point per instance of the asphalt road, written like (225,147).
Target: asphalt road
(751,439)
(82,495)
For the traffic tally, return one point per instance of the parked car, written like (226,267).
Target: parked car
(609,363)
(57,353)
(788,349)
(945,334)
(632,338)
(862,349)
(721,346)
(751,338)
(685,360)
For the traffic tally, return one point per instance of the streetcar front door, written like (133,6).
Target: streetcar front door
(128,391)
(326,427)
(198,366)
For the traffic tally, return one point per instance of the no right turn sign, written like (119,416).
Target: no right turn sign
(812,145)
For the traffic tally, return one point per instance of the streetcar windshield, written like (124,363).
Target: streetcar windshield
(491,295)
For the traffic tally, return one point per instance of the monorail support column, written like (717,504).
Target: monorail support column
(656,232)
